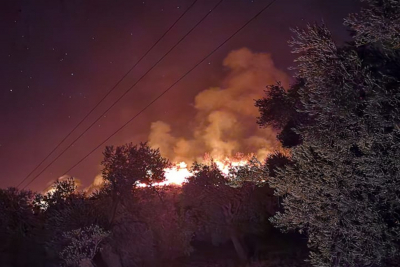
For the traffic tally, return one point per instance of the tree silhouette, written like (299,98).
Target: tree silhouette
(18,225)
(226,207)
(281,109)
(83,244)
(341,188)
(124,167)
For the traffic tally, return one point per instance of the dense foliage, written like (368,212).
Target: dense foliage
(83,244)
(124,224)
(221,211)
(342,186)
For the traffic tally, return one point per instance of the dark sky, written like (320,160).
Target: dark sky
(59,57)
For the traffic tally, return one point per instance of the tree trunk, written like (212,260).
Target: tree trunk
(238,246)
(86,263)
(110,258)
(113,210)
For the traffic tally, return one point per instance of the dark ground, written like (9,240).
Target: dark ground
(279,250)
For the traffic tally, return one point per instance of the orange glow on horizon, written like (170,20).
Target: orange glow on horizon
(175,175)
(178,174)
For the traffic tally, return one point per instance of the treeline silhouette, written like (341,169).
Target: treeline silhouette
(122,224)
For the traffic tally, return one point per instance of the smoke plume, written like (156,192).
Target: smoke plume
(225,123)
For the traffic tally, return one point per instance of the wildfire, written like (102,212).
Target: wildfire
(226,164)
(179,172)
(175,175)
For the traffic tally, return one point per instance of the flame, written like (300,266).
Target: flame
(176,175)
(179,172)
(225,165)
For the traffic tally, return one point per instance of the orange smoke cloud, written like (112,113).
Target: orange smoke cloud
(226,115)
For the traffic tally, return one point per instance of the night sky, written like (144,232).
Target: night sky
(59,57)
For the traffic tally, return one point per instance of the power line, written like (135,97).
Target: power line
(127,91)
(108,93)
(169,88)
